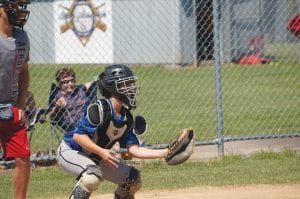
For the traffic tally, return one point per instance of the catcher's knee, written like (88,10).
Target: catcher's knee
(131,186)
(88,181)
(133,180)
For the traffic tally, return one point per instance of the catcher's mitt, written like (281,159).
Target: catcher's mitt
(181,148)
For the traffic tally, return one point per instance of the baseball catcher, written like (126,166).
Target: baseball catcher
(86,151)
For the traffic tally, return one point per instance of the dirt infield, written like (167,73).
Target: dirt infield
(248,147)
(226,192)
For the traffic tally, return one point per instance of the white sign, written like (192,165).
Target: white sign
(83,31)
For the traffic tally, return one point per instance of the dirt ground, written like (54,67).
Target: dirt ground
(247,147)
(226,192)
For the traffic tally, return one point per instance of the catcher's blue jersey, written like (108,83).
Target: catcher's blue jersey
(111,130)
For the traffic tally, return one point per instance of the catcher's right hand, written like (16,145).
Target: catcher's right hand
(181,148)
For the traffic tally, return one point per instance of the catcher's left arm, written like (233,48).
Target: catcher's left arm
(181,148)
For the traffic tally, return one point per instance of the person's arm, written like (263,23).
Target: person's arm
(108,156)
(131,142)
(58,106)
(23,89)
(88,84)
(146,153)
(23,86)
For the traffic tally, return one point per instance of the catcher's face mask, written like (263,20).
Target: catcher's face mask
(128,90)
(17,12)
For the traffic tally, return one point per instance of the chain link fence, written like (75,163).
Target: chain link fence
(229,69)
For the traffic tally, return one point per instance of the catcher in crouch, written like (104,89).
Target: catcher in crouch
(86,151)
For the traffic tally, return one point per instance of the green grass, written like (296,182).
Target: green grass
(257,100)
(259,168)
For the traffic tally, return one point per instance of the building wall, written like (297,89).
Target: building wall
(138,31)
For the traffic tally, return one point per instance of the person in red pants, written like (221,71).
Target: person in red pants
(14,80)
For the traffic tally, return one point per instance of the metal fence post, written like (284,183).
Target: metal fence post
(217,63)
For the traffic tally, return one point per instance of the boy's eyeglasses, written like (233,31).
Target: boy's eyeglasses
(68,81)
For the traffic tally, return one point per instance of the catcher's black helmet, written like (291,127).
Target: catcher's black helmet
(119,80)
(17,12)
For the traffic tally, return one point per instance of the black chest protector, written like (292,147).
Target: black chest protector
(110,129)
